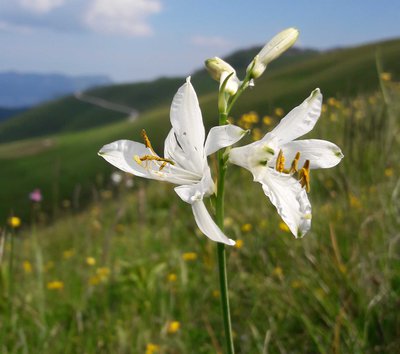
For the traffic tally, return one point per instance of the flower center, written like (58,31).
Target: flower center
(160,161)
(303,175)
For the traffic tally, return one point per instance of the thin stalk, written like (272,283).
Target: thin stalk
(223,280)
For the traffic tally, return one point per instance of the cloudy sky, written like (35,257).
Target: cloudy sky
(131,40)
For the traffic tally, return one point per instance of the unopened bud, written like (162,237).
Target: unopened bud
(216,66)
(272,50)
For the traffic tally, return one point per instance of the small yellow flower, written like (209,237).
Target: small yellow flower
(278,272)
(94,280)
(342,268)
(14,222)
(68,254)
(55,285)
(267,120)
(279,112)
(247,227)
(354,202)
(228,222)
(90,261)
(152,348)
(103,272)
(386,76)
(173,327)
(324,108)
(189,256)
(216,294)
(389,172)
(239,244)
(27,267)
(256,134)
(172,277)
(284,227)
(296,284)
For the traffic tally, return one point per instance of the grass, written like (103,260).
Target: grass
(118,277)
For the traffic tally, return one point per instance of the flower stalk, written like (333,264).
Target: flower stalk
(221,252)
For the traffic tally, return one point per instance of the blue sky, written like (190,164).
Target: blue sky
(131,40)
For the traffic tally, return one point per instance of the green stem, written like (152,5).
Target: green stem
(223,280)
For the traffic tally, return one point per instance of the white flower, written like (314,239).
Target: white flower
(274,161)
(272,50)
(185,157)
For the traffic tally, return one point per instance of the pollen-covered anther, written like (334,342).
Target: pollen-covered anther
(304,176)
(164,161)
(146,140)
(295,162)
(280,162)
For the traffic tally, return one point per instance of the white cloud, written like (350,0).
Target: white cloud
(213,41)
(128,17)
(40,6)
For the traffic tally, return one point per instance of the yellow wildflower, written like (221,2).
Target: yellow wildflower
(173,327)
(256,134)
(55,285)
(267,120)
(172,277)
(389,172)
(14,222)
(90,261)
(68,254)
(284,227)
(247,227)
(27,267)
(386,76)
(189,256)
(354,202)
(278,272)
(216,294)
(279,112)
(239,244)
(296,284)
(152,348)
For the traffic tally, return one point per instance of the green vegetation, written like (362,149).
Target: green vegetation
(132,274)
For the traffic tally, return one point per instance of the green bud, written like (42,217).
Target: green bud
(216,66)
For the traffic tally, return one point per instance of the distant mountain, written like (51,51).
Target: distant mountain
(6,113)
(27,89)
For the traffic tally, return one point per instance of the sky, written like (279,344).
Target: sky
(134,40)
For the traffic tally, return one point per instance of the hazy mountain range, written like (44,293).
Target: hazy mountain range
(19,90)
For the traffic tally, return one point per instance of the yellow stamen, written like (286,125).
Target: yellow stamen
(304,176)
(280,162)
(147,142)
(295,162)
(137,159)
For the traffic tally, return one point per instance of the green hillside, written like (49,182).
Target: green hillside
(65,166)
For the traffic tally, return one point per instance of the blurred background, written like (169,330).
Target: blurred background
(94,260)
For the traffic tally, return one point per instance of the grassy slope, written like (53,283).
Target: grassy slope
(68,162)
(334,291)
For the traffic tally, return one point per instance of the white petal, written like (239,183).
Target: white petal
(207,225)
(299,120)
(188,125)
(191,193)
(321,153)
(233,82)
(290,200)
(122,154)
(223,136)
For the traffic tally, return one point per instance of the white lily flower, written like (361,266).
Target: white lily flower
(185,157)
(265,159)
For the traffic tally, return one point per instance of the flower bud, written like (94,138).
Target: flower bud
(272,50)
(216,66)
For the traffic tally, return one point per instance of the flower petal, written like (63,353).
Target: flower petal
(222,136)
(122,154)
(188,126)
(191,193)
(321,153)
(299,120)
(207,225)
(290,200)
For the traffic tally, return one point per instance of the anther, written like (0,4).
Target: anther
(147,142)
(280,162)
(304,176)
(295,162)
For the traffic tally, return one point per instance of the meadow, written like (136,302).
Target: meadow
(132,274)
(116,264)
